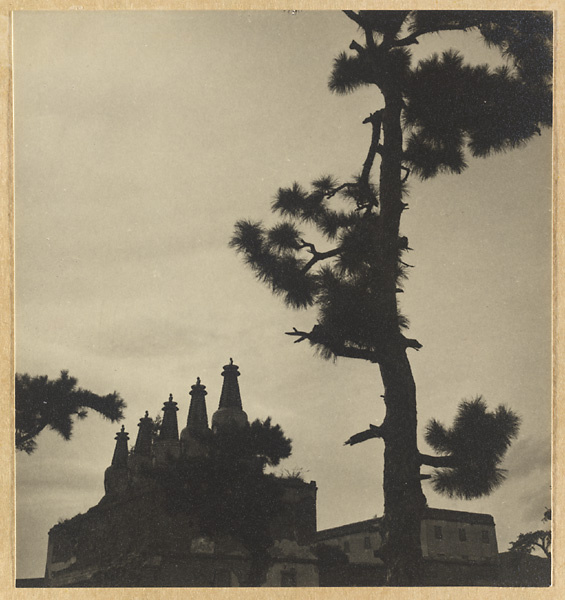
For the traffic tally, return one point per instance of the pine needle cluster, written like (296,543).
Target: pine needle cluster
(477,443)
(42,402)
(346,282)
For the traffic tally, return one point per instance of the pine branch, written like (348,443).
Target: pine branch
(351,352)
(357,47)
(22,438)
(355,17)
(314,337)
(375,119)
(368,434)
(413,37)
(542,546)
(407,173)
(302,335)
(316,256)
(337,189)
(410,342)
(437,461)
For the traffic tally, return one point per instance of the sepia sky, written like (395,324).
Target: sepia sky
(140,138)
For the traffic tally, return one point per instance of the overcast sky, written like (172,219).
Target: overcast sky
(141,137)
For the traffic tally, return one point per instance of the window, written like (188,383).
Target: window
(438,532)
(288,578)
(462,535)
(367,543)
(485,537)
(346,547)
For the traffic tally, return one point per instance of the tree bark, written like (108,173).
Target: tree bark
(404,501)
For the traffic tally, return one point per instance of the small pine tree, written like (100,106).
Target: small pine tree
(528,542)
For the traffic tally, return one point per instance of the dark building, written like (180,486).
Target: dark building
(135,537)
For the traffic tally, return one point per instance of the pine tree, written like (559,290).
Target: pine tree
(528,542)
(42,402)
(433,115)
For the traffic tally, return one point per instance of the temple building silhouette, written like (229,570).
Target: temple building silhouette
(134,537)
(137,537)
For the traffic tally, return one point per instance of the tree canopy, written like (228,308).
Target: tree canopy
(229,490)
(471,450)
(54,403)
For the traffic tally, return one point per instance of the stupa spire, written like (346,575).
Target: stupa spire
(193,436)
(197,419)
(117,476)
(120,458)
(167,444)
(230,409)
(230,397)
(169,426)
(144,434)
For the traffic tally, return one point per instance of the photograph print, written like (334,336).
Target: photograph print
(283,289)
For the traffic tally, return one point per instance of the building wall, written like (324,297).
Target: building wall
(445,535)
(359,546)
(450,557)
(294,565)
(473,542)
(137,541)
(291,574)
(297,519)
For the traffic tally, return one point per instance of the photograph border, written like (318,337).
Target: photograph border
(7,319)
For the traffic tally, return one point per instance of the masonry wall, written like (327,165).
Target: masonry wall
(445,540)
(136,541)
(297,520)
(458,548)
(359,546)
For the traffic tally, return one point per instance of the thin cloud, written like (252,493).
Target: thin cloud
(528,457)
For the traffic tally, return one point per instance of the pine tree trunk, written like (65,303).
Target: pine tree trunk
(403,496)
(404,500)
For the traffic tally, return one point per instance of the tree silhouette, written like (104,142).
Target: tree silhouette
(42,402)
(432,116)
(527,542)
(229,490)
